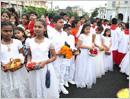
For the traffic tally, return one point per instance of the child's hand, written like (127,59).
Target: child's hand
(4,69)
(28,31)
(28,62)
(108,48)
(42,64)
(91,48)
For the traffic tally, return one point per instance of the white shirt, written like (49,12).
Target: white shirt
(58,39)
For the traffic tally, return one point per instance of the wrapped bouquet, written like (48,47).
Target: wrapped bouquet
(33,65)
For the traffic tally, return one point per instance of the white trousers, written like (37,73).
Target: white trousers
(60,69)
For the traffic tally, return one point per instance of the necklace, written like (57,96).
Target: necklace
(9,49)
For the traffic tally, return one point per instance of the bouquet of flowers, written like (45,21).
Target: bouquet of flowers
(123,93)
(93,52)
(33,65)
(66,51)
(108,52)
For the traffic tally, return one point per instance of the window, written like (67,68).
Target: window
(113,3)
(126,2)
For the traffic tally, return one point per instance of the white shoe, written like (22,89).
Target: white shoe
(66,84)
(64,91)
(72,82)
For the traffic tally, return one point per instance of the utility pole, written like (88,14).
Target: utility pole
(51,5)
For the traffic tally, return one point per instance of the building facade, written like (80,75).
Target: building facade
(117,9)
(78,10)
(19,5)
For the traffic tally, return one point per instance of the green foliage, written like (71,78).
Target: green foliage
(40,11)
(94,13)
(69,13)
(85,15)
(2,9)
(69,8)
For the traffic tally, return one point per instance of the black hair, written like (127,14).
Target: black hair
(127,25)
(43,15)
(9,9)
(93,21)
(16,14)
(84,26)
(56,18)
(71,16)
(27,16)
(114,21)
(74,22)
(107,29)
(46,14)
(99,23)
(20,29)
(62,14)
(6,23)
(81,17)
(109,24)
(44,24)
(51,15)
(105,20)
(33,12)
(13,10)
(66,26)
(100,28)
(101,19)
(6,13)
(16,20)
(97,18)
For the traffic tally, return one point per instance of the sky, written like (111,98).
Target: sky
(86,5)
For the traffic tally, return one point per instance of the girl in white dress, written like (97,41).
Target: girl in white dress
(38,48)
(85,69)
(13,84)
(107,43)
(98,60)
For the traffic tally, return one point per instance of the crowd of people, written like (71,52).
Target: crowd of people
(40,40)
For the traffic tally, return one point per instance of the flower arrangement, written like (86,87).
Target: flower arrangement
(33,65)
(123,93)
(93,52)
(108,52)
(66,51)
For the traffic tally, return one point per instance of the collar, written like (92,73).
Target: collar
(126,31)
(93,27)
(52,25)
(113,27)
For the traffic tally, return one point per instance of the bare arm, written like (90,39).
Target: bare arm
(103,43)
(21,51)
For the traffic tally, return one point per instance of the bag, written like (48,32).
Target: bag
(48,75)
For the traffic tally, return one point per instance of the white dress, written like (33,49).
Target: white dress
(125,64)
(85,69)
(108,59)
(37,78)
(13,84)
(99,64)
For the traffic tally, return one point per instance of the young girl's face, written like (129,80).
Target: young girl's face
(4,17)
(12,19)
(39,28)
(43,17)
(18,34)
(24,20)
(7,32)
(108,33)
(68,30)
(87,30)
(77,25)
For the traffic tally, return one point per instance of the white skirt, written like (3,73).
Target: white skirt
(37,80)
(125,64)
(108,62)
(99,65)
(15,84)
(85,70)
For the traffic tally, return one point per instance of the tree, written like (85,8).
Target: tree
(69,8)
(75,13)
(86,16)
(2,9)
(94,13)
(69,13)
